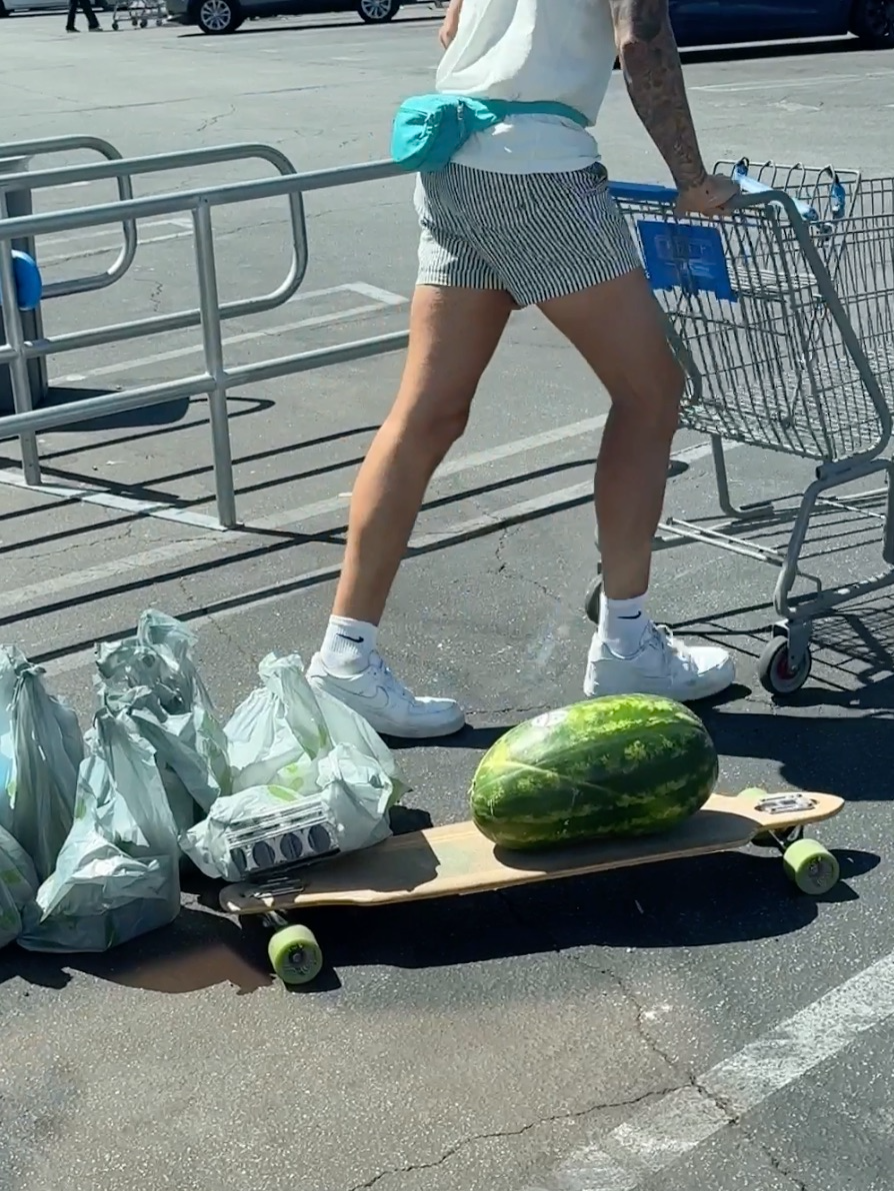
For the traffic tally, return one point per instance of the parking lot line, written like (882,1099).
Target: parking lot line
(788,84)
(286,588)
(381,298)
(283,519)
(166,553)
(671,1128)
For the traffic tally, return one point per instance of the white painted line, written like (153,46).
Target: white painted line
(112,230)
(450,467)
(301,516)
(112,500)
(102,250)
(788,84)
(275,593)
(150,559)
(677,1124)
(383,298)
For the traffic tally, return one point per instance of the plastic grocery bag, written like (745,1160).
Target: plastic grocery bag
(353,790)
(18,885)
(117,876)
(47,747)
(9,659)
(291,745)
(153,678)
(284,725)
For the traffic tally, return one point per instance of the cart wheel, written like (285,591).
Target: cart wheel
(812,867)
(775,672)
(143,24)
(591,600)
(115,26)
(295,955)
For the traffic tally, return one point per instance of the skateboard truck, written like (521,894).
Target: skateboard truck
(283,839)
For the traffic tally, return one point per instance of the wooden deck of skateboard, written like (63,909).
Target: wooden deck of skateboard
(458,859)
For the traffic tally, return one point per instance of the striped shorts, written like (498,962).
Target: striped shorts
(537,236)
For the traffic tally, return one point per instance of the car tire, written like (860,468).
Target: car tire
(218,17)
(377,12)
(873,22)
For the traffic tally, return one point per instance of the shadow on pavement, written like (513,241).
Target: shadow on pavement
(729,898)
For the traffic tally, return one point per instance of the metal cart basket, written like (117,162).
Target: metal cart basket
(782,316)
(139,12)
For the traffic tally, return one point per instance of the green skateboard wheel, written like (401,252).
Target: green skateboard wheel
(296,955)
(811,867)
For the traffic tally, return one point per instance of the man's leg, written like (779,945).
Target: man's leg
(72,16)
(617,327)
(453,335)
(92,22)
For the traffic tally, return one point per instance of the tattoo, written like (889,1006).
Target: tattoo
(653,73)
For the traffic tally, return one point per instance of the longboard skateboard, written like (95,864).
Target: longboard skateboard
(457,859)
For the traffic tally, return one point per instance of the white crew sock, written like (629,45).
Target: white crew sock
(622,624)
(347,645)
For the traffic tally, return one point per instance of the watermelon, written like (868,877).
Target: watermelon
(618,766)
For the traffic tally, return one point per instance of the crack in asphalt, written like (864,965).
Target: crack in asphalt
(68,546)
(775,1162)
(451,1151)
(622,986)
(212,120)
(503,567)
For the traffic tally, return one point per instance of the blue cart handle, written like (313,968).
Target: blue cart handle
(633,192)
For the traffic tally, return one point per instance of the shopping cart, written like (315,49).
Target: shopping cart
(138,12)
(782,316)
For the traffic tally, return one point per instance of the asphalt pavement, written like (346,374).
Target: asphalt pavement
(677,1027)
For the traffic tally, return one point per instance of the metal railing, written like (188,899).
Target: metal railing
(123,170)
(217,379)
(71,144)
(127,168)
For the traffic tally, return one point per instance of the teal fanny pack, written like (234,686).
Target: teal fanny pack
(429,129)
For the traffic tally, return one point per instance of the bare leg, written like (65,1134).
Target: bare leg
(618,329)
(453,335)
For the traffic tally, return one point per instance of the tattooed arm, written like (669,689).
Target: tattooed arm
(654,75)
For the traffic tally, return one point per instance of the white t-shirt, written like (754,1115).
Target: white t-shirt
(529,50)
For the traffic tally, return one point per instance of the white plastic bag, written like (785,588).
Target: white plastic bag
(285,723)
(153,677)
(356,795)
(288,743)
(206,843)
(47,747)
(117,874)
(9,658)
(18,885)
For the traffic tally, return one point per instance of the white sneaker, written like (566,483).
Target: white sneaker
(385,703)
(661,666)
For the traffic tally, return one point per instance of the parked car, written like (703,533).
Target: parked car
(12,6)
(225,16)
(696,22)
(724,22)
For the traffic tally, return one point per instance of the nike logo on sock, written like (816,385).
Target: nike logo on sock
(636,616)
(356,640)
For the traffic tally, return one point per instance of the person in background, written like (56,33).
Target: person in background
(87,8)
(523,216)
